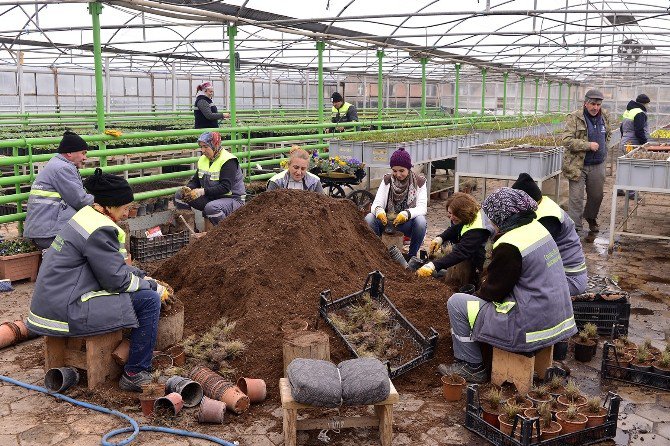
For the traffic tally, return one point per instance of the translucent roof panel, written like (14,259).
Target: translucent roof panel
(571,40)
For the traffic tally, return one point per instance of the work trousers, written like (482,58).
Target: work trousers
(414,228)
(147,306)
(463,309)
(215,210)
(592,178)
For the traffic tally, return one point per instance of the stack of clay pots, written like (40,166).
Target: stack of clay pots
(12,333)
(217,387)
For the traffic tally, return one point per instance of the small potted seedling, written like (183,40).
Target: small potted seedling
(506,418)
(452,386)
(622,343)
(649,346)
(556,386)
(539,395)
(572,396)
(548,428)
(594,411)
(151,392)
(571,420)
(641,362)
(491,405)
(520,401)
(584,347)
(662,367)
(592,332)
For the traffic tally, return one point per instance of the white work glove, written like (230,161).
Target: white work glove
(435,246)
(197,193)
(426,270)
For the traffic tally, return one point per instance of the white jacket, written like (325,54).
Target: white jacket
(383,192)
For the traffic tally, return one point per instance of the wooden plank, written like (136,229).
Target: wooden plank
(337,422)
(304,344)
(99,361)
(543,360)
(514,368)
(290,427)
(385,416)
(54,352)
(75,358)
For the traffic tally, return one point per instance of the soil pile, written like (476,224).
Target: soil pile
(267,264)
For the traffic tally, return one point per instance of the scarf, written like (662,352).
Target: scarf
(504,203)
(402,194)
(213,140)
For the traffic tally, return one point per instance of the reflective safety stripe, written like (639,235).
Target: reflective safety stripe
(44,193)
(134,284)
(476,224)
(49,324)
(461,338)
(342,110)
(552,332)
(630,114)
(213,168)
(548,208)
(576,269)
(504,307)
(92,294)
(47,201)
(473,311)
(88,220)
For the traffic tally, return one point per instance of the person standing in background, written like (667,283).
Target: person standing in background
(206,114)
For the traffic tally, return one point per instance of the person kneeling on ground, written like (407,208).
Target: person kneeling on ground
(469,231)
(562,229)
(402,196)
(296,176)
(523,304)
(217,188)
(85,288)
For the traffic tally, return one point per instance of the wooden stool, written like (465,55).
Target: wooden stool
(518,369)
(383,418)
(90,353)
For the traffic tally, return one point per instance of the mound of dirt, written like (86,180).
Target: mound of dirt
(267,264)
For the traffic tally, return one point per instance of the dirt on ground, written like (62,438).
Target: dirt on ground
(268,262)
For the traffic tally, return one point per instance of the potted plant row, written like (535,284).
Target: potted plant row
(630,359)
(19,259)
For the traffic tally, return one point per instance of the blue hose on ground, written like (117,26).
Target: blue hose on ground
(135,428)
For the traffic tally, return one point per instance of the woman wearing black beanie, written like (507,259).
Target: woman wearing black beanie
(85,287)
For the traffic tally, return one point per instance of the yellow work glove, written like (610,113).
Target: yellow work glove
(197,193)
(381,216)
(435,246)
(114,133)
(186,194)
(401,218)
(164,293)
(426,270)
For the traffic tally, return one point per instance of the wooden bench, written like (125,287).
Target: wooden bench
(383,418)
(518,369)
(90,353)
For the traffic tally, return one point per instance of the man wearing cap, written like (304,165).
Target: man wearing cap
(585,138)
(635,126)
(342,111)
(57,193)
(85,288)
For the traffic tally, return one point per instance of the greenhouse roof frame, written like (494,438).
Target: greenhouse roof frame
(583,41)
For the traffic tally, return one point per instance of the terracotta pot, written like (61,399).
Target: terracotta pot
(554,430)
(178,355)
(294,325)
(8,335)
(564,403)
(595,419)
(150,393)
(190,391)
(621,360)
(161,361)
(213,384)
(147,405)
(490,416)
(506,425)
(522,402)
(169,404)
(235,400)
(211,411)
(60,379)
(569,427)
(255,389)
(121,352)
(531,413)
(536,400)
(453,390)
(23,329)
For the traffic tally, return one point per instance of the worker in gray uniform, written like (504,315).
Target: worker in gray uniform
(57,192)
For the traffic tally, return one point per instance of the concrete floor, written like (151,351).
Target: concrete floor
(28,418)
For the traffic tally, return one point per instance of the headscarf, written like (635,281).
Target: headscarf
(504,203)
(200,90)
(213,140)
(402,194)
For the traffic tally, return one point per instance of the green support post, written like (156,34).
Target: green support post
(456,88)
(424,61)
(537,92)
(560,95)
(505,76)
(523,88)
(232,32)
(548,96)
(95,9)
(569,87)
(380,86)
(483,90)
(320,46)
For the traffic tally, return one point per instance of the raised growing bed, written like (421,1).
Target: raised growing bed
(411,346)
(524,428)
(614,367)
(509,162)
(640,169)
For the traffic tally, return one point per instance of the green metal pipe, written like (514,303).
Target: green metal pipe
(456,88)
(505,76)
(523,88)
(95,9)
(537,92)
(483,90)
(424,61)
(568,106)
(320,46)
(380,86)
(232,32)
(560,95)
(548,96)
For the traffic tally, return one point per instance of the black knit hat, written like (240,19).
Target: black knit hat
(71,142)
(336,97)
(642,99)
(108,189)
(526,183)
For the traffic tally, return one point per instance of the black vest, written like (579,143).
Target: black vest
(200,121)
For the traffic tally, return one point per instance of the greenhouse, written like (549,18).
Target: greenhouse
(366,223)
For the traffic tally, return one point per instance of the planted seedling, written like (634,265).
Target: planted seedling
(510,411)
(544,411)
(643,355)
(556,384)
(571,413)
(454,378)
(493,398)
(583,337)
(647,344)
(591,330)
(664,360)
(541,392)
(593,405)
(572,392)
(518,400)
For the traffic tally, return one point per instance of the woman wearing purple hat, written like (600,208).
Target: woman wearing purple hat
(402,195)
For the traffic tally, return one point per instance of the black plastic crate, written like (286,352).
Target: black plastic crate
(613,368)
(157,248)
(424,347)
(604,314)
(524,427)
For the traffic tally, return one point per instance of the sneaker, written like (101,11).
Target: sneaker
(620,192)
(134,383)
(476,375)
(593,225)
